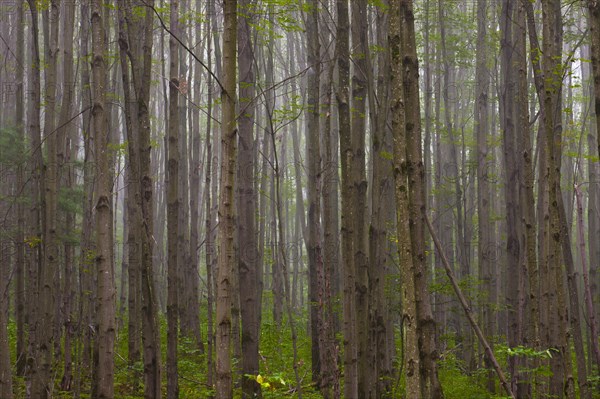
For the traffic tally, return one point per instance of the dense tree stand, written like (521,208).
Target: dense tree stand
(230,199)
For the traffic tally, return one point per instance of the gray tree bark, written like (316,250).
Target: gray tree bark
(104,240)
(430,384)
(173,216)
(248,268)
(226,256)
(313,160)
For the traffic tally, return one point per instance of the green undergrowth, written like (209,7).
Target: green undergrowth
(276,375)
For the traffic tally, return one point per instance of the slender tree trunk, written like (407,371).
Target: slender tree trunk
(314,177)
(527,265)
(348,202)
(276,265)
(196,193)
(6,385)
(360,53)
(411,363)
(527,187)
(442,201)
(451,172)
(66,158)
(261,187)
(172,195)
(593,205)
(383,208)
(512,174)
(226,256)
(139,42)
(43,384)
(589,303)
(69,294)
(299,198)
(330,385)
(187,279)
(430,385)
(280,232)
(124,292)
(557,319)
(150,332)
(133,216)
(248,268)
(594,22)
(546,298)
(39,384)
(482,83)
(20,271)
(574,308)
(87,287)
(210,219)
(103,208)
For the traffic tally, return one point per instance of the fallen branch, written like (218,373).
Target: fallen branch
(468,311)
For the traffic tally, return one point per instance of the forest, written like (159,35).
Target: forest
(324,199)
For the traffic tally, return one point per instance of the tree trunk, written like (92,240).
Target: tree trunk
(594,21)
(594,24)
(527,266)
(20,272)
(210,254)
(6,385)
(485,244)
(360,54)
(380,232)
(248,267)
(557,319)
(87,286)
(172,195)
(104,261)
(545,301)
(133,216)
(314,176)
(348,203)
(411,363)
(330,385)
(299,198)
(43,384)
(593,207)
(196,195)
(226,255)
(430,385)
(40,357)
(527,198)
(139,43)
(512,174)
(65,135)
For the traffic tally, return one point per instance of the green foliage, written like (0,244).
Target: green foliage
(382,5)
(276,375)
(288,111)
(457,384)
(12,148)
(277,361)
(524,351)
(71,199)
(33,241)
(285,18)
(469,285)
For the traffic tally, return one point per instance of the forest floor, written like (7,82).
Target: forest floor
(276,368)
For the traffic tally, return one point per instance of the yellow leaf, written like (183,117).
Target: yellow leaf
(259,379)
